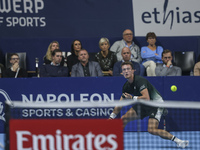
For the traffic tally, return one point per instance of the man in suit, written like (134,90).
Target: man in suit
(126,56)
(85,68)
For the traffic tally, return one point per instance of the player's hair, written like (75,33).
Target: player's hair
(150,34)
(55,51)
(13,55)
(127,63)
(166,51)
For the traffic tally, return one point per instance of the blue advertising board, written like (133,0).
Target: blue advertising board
(99,89)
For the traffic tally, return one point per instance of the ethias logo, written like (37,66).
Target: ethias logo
(171,16)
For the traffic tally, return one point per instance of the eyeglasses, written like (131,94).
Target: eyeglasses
(167,57)
(14,58)
(128,34)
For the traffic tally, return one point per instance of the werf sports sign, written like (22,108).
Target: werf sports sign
(60,134)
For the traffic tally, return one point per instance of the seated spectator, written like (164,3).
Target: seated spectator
(106,58)
(1,70)
(72,59)
(15,71)
(48,57)
(151,54)
(167,68)
(126,55)
(86,68)
(127,41)
(197,67)
(54,69)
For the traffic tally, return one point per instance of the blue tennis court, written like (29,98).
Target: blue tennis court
(2,135)
(146,141)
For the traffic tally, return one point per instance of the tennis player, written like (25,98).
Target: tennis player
(141,88)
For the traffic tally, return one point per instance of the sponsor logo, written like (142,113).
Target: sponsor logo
(176,15)
(2,114)
(66,134)
(142,87)
(21,8)
(76,141)
(67,98)
(7,98)
(61,98)
(166,17)
(69,113)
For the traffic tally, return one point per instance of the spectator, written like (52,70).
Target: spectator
(197,67)
(86,68)
(48,57)
(54,69)
(151,54)
(72,59)
(15,71)
(127,41)
(126,55)
(1,70)
(167,68)
(106,58)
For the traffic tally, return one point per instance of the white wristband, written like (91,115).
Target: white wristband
(113,115)
(135,97)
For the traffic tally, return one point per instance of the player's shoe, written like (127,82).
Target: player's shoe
(183,144)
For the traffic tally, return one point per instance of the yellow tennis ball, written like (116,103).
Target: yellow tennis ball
(173,88)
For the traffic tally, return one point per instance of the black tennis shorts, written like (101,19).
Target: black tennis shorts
(144,111)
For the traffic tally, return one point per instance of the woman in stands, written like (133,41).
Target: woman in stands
(48,58)
(105,57)
(73,58)
(151,54)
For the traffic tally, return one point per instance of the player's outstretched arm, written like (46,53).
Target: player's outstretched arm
(115,111)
